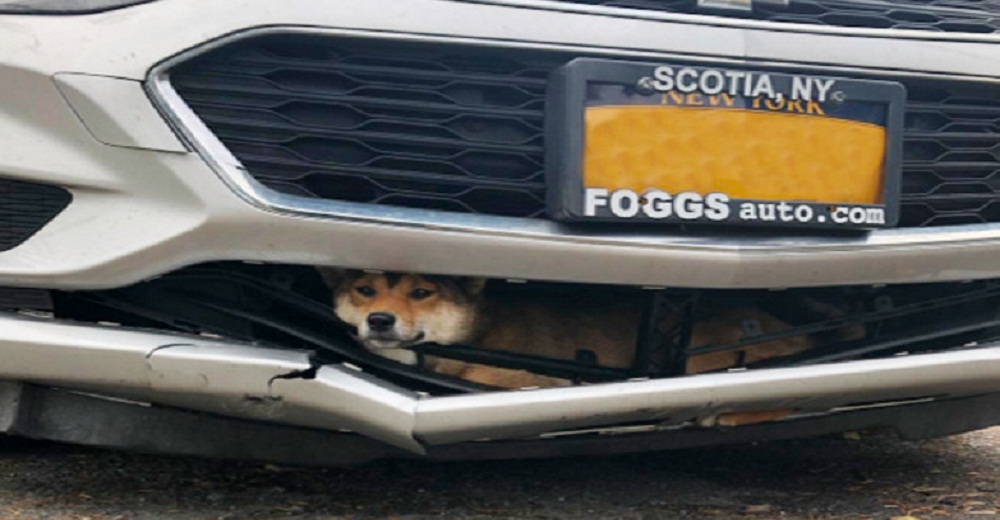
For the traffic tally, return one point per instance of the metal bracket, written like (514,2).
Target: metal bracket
(751,329)
(659,353)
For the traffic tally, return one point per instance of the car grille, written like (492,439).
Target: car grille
(420,128)
(960,16)
(460,128)
(25,208)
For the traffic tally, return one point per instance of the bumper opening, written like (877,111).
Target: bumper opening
(289,307)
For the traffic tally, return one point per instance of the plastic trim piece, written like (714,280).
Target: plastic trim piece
(134,122)
(95,420)
(708,19)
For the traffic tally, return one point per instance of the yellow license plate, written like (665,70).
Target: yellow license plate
(647,142)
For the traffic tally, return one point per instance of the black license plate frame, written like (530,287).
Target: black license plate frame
(567,101)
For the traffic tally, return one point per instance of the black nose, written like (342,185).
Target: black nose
(381,321)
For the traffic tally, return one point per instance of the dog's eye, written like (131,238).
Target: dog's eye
(420,294)
(365,290)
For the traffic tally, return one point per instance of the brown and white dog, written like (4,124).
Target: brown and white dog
(395,311)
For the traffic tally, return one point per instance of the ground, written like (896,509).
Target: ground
(844,477)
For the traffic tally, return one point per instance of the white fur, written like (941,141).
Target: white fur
(345,311)
(452,324)
(401,355)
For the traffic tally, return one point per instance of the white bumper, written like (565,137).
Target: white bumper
(239,380)
(145,203)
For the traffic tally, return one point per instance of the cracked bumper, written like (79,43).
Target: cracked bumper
(244,381)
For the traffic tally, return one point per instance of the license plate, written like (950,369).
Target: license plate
(662,142)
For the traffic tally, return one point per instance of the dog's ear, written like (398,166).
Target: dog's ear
(333,276)
(473,285)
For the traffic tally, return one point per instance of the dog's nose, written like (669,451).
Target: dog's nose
(381,321)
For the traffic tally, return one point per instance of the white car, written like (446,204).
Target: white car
(171,170)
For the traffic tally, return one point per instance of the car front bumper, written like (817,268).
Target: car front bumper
(148,200)
(86,104)
(279,386)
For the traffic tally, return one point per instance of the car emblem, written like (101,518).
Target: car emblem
(740,5)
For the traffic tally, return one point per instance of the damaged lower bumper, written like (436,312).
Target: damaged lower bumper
(279,386)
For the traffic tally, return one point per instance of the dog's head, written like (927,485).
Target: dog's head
(401,310)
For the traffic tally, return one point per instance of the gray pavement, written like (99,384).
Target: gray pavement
(872,477)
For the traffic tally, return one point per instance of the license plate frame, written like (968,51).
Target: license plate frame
(565,133)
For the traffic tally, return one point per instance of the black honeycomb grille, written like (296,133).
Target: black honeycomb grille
(951,155)
(25,208)
(960,16)
(459,128)
(417,126)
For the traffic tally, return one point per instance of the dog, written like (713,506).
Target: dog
(395,311)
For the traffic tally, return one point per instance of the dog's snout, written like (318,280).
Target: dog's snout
(381,321)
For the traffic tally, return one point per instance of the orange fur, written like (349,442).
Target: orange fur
(549,326)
